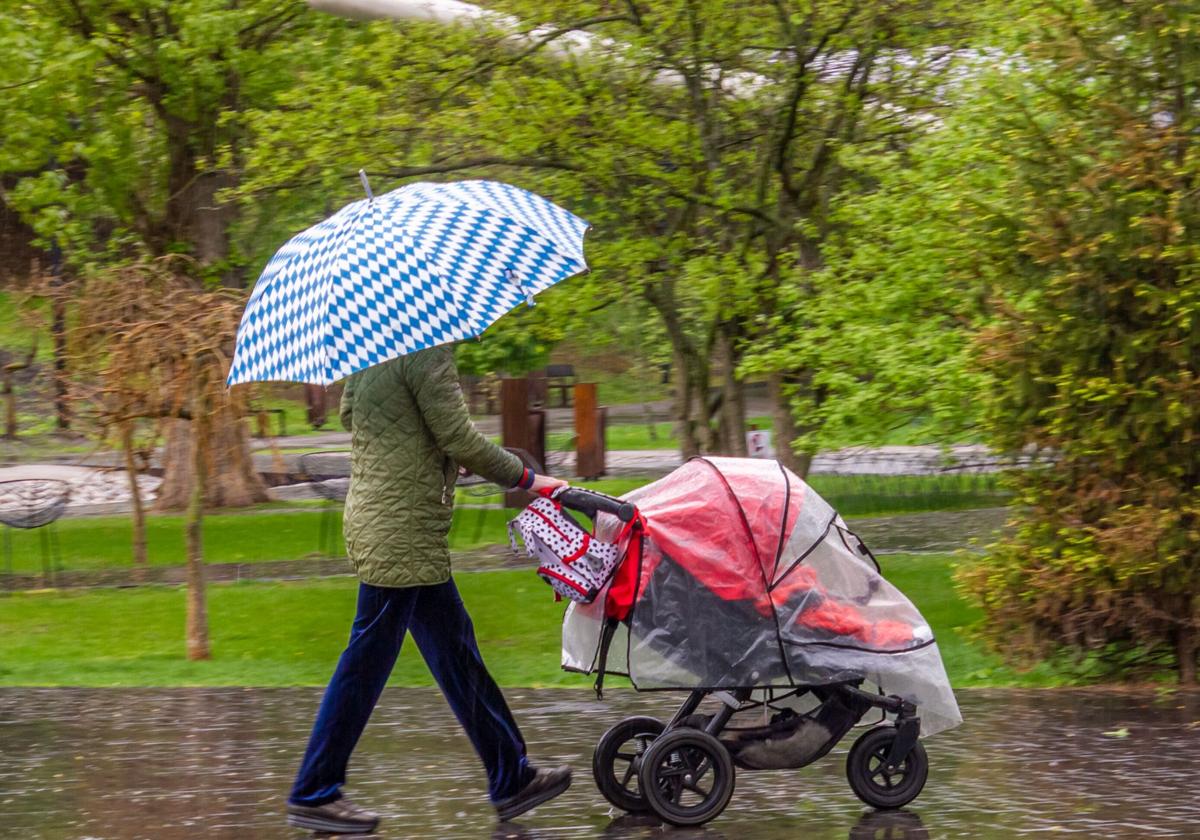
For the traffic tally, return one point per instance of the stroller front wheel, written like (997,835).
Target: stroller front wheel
(873,781)
(617,758)
(686,777)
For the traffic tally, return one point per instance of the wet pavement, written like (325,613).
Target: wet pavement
(215,763)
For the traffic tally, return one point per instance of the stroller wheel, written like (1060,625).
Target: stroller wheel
(687,777)
(872,782)
(617,758)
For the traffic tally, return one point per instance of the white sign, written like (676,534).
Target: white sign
(758,444)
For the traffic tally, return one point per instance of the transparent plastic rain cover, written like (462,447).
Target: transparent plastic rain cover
(747,578)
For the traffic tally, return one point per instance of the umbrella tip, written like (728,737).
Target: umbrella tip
(362,176)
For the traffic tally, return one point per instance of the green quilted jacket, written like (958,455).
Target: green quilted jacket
(410,430)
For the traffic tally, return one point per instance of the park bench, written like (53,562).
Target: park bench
(262,427)
(482,393)
(328,474)
(562,379)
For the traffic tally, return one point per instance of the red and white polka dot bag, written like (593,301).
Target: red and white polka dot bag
(571,560)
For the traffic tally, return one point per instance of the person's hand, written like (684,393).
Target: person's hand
(546,483)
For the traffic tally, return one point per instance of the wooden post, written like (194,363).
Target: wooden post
(589,432)
(314,395)
(514,427)
(10,403)
(537,438)
(514,408)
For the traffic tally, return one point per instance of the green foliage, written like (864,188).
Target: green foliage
(1095,345)
(123,119)
(885,324)
(703,161)
(519,344)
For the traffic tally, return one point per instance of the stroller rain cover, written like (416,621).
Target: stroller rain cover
(745,577)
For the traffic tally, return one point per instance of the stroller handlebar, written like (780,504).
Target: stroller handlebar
(589,502)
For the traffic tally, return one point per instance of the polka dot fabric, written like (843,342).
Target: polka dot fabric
(576,565)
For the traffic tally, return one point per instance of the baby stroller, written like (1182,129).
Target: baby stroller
(740,585)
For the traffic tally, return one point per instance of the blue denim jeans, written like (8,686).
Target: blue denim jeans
(440,626)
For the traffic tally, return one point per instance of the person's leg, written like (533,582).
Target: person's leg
(361,673)
(446,638)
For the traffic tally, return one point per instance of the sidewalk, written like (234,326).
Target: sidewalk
(99,487)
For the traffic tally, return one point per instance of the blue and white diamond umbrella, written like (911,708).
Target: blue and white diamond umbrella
(423,265)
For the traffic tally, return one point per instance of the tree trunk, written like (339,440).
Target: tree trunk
(194,215)
(197,609)
(733,398)
(685,424)
(710,407)
(135,498)
(58,327)
(785,426)
(689,366)
(235,482)
(1185,653)
(10,407)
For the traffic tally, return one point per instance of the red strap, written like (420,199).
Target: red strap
(550,522)
(619,601)
(587,540)
(567,581)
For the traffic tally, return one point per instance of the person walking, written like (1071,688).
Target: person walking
(410,432)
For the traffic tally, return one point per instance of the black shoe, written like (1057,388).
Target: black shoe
(546,785)
(341,816)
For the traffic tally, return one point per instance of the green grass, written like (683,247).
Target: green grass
(287,532)
(267,534)
(877,495)
(295,416)
(290,633)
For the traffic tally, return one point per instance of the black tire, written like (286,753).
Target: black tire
(616,759)
(687,777)
(866,770)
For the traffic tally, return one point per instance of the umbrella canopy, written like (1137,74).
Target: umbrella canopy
(427,264)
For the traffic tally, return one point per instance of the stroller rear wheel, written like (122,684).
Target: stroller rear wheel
(617,758)
(687,777)
(873,781)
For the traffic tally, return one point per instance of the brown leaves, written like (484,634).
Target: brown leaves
(146,340)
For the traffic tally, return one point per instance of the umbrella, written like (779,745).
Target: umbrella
(426,264)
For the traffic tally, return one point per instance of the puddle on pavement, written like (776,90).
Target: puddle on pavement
(216,763)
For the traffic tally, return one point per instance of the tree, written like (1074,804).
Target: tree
(154,347)
(123,127)
(886,324)
(1094,352)
(701,143)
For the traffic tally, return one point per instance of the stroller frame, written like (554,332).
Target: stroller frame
(736,701)
(670,762)
(886,767)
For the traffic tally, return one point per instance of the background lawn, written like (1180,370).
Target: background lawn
(290,633)
(288,532)
(102,542)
